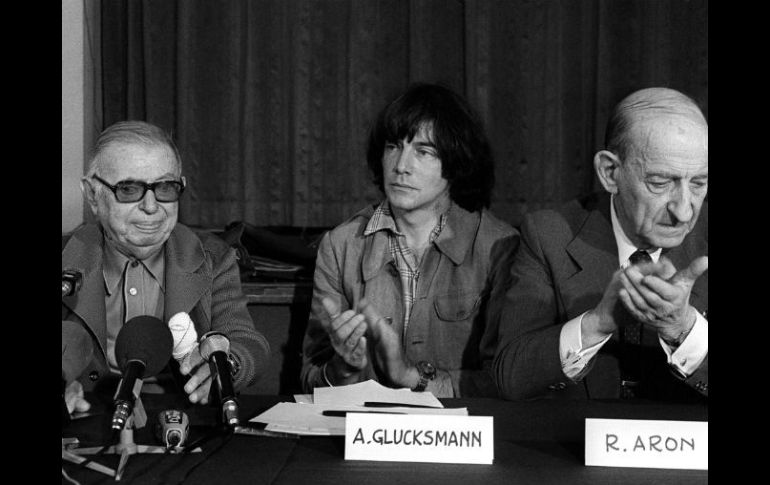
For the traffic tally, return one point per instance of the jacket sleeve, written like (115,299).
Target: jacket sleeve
(527,359)
(479,381)
(230,315)
(317,348)
(699,380)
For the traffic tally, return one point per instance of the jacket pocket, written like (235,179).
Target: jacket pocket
(452,329)
(455,307)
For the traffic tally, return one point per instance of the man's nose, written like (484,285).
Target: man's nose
(148,203)
(681,204)
(404,162)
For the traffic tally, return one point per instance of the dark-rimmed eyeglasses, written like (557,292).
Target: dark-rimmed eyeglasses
(134,190)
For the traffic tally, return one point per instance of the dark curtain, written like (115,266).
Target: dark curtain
(270,101)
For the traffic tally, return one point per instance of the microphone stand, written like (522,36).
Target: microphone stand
(126,447)
(70,444)
(69,455)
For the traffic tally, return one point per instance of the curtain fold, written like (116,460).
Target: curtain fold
(270,101)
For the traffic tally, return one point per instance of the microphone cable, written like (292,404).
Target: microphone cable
(228,435)
(114,439)
(188,448)
(69,478)
(198,442)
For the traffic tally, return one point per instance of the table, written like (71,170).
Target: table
(535,442)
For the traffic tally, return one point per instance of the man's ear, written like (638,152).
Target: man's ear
(89,193)
(607,167)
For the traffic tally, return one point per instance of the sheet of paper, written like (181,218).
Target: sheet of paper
(304,432)
(308,419)
(357,394)
(303,398)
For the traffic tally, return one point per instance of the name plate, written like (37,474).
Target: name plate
(419,438)
(647,443)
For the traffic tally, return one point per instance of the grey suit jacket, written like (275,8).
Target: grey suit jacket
(446,325)
(202,279)
(565,260)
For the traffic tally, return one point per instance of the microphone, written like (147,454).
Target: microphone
(71,280)
(142,349)
(172,428)
(77,349)
(214,348)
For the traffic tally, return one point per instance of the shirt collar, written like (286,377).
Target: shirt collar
(115,263)
(382,219)
(625,247)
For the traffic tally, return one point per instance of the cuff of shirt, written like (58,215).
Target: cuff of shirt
(325,376)
(688,356)
(574,358)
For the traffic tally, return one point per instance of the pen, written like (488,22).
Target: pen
(342,414)
(375,404)
(262,432)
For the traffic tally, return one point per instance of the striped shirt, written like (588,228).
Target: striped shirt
(404,258)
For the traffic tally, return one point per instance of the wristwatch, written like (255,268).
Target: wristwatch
(427,373)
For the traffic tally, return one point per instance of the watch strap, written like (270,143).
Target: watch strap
(427,373)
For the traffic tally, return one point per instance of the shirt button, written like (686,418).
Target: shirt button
(683,362)
(132,291)
(93,375)
(134,263)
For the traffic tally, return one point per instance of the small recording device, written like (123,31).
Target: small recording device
(172,428)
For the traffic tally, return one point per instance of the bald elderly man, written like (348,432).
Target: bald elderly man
(609,294)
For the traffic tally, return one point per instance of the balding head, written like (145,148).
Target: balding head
(656,166)
(137,133)
(644,106)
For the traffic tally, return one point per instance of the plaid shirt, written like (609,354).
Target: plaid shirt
(404,258)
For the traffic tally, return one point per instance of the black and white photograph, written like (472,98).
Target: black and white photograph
(384,241)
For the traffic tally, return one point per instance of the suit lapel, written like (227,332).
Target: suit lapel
(84,253)
(458,235)
(595,255)
(454,242)
(186,278)
(375,255)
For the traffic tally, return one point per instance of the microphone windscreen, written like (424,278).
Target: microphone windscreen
(213,342)
(77,349)
(74,277)
(147,339)
(184,334)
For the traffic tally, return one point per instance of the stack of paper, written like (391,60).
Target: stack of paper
(372,391)
(370,397)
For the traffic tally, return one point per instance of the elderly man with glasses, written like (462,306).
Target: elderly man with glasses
(137,260)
